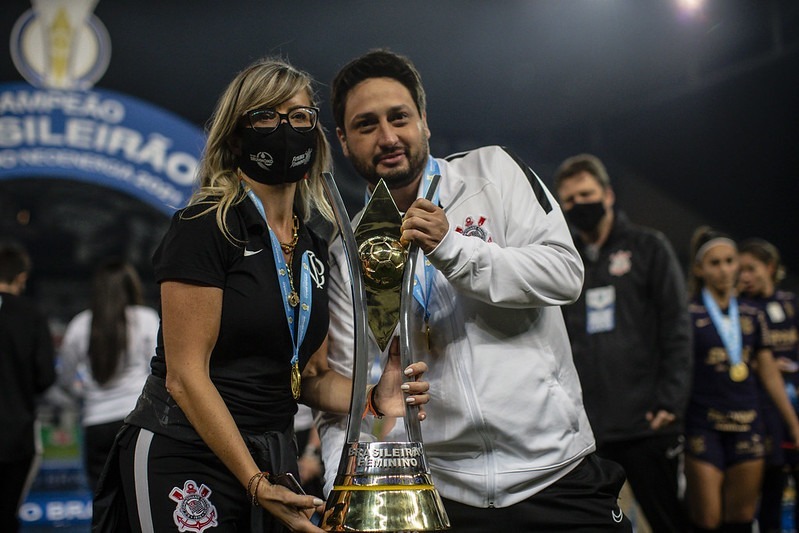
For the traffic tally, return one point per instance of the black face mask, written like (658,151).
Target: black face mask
(283,156)
(586,217)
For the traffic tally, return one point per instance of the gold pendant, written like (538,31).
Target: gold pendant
(296,380)
(293,298)
(427,334)
(739,372)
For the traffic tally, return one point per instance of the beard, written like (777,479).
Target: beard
(395,178)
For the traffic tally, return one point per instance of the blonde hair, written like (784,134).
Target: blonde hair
(267,82)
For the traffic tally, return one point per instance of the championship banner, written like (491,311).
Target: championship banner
(99,136)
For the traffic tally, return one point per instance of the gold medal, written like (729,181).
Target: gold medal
(739,372)
(296,380)
(293,298)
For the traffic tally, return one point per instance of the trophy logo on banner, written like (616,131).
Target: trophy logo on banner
(380,486)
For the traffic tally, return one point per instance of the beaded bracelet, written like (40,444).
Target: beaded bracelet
(254,493)
(370,403)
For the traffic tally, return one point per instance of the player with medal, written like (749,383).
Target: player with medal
(724,429)
(759,283)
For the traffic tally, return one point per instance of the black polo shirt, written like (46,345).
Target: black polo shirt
(250,363)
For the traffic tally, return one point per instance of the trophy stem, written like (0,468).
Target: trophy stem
(412,426)
(361,357)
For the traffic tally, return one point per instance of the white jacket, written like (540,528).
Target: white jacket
(505,418)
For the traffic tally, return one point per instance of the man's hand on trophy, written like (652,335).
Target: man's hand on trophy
(398,387)
(424,224)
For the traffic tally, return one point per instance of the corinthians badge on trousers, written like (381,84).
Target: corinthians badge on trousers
(380,486)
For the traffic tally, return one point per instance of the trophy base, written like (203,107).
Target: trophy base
(386,487)
(385,508)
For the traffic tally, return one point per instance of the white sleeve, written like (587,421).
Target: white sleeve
(73,355)
(532,260)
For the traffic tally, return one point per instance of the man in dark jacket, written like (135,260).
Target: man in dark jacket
(26,370)
(631,338)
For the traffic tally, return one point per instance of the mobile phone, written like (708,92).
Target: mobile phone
(290,482)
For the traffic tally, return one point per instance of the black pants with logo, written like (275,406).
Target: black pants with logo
(583,501)
(652,465)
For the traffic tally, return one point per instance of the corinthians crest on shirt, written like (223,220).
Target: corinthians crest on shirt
(194,511)
(620,263)
(474,226)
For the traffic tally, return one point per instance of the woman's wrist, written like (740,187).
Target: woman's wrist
(254,483)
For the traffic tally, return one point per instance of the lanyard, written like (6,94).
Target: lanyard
(285,287)
(729,330)
(423,297)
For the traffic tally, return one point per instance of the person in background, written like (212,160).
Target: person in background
(509,444)
(724,427)
(244,323)
(104,358)
(27,369)
(631,339)
(761,273)
(310,457)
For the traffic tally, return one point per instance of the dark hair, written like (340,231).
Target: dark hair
(14,260)
(702,235)
(115,286)
(380,63)
(582,163)
(766,253)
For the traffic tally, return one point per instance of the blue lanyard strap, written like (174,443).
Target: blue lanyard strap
(729,330)
(423,297)
(306,296)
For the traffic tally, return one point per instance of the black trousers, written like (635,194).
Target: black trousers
(98,440)
(584,501)
(12,483)
(652,465)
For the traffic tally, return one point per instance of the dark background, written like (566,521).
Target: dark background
(695,115)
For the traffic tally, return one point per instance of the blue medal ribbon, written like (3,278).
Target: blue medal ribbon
(423,297)
(728,330)
(298,335)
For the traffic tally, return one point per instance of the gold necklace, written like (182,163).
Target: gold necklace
(293,297)
(288,247)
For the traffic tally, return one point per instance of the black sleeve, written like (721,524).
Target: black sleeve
(195,250)
(44,356)
(674,327)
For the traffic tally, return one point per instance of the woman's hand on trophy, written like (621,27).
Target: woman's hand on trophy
(398,387)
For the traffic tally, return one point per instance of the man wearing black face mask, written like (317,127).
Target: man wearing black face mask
(631,339)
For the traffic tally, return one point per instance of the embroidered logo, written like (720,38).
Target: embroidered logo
(472,228)
(620,263)
(317,269)
(194,511)
(263,160)
(302,158)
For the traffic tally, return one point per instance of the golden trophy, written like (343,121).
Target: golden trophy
(380,486)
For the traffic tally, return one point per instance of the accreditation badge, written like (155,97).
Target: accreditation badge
(600,309)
